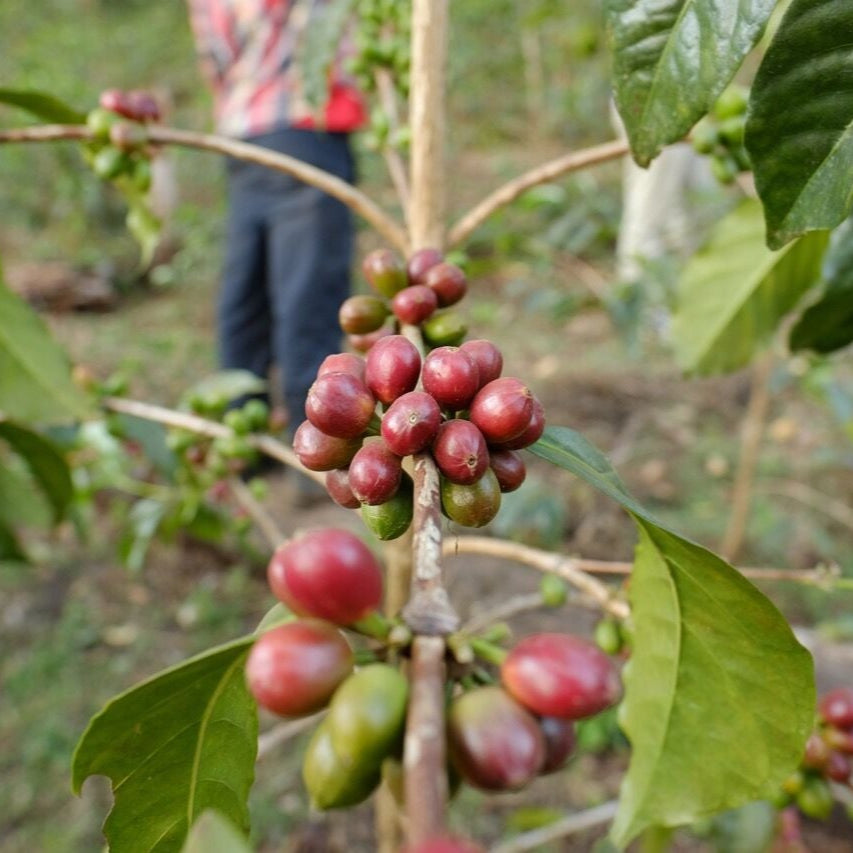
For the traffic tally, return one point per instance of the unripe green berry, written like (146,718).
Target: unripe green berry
(554,590)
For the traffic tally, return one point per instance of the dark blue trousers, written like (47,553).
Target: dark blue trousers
(287,264)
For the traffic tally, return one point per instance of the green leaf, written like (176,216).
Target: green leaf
(719,695)
(213,833)
(179,743)
(143,522)
(35,377)
(42,105)
(799,129)
(827,325)
(21,502)
(46,463)
(672,59)
(10,548)
(735,291)
(568,449)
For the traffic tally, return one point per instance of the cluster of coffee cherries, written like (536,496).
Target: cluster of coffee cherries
(453,403)
(720,135)
(828,757)
(505,725)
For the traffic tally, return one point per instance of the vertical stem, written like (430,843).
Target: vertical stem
(752,430)
(427,120)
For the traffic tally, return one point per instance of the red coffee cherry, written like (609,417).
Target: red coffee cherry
(414,304)
(486,356)
(411,423)
(392,368)
(838,739)
(360,315)
(420,263)
(445,844)
(838,767)
(471,506)
(342,362)
(447,281)
(337,485)
(559,743)
(135,105)
(320,452)
(493,742)
(509,468)
(502,409)
(816,752)
(532,433)
(385,271)
(836,707)
(340,405)
(460,452)
(559,675)
(375,473)
(363,343)
(327,573)
(450,377)
(294,669)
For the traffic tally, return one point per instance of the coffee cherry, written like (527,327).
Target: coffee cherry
(608,636)
(559,743)
(327,573)
(109,163)
(502,409)
(445,844)
(815,800)
(839,739)
(493,742)
(374,473)
(448,282)
(294,669)
(486,356)
(367,714)
(392,368)
(360,315)
(330,782)
(444,328)
(450,377)
(385,271)
(531,434)
(471,506)
(391,519)
(414,304)
(559,675)
(337,485)
(420,263)
(816,753)
(509,468)
(411,423)
(836,707)
(340,405)
(320,452)
(99,121)
(838,767)
(136,105)
(342,362)
(363,343)
(460,452)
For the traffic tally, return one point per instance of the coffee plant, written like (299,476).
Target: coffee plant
(714,692)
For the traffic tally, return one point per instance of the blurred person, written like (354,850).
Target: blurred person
(288,245)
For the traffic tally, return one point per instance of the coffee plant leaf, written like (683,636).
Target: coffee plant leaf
(673,58)
(42,105)
(213,833)
(180,743)
(827,325)
(799,129)
(10,547)
(45,462)
(719,695)
(35,374)
(735,291)
(568,449)
(143,522)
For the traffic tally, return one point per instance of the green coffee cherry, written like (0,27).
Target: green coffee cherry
(236,419)
(99,121)
(724,169)
(608,637)
(109,163)
(444,328)
(731,103)
(391,519)
(731,131)
(554,590)
(257,413)
(815,799)
(705,137)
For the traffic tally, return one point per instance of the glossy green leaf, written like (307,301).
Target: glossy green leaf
(569,450)
(827,325)
(35,376)
(672,59)
(10,548)
(799,129)
(143,522)
(46,464)
(213,833)
(42,105)
(735,291)
(22,503)
(719,695)
(174,746)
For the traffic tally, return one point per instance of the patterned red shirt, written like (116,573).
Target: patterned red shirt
(247,50)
